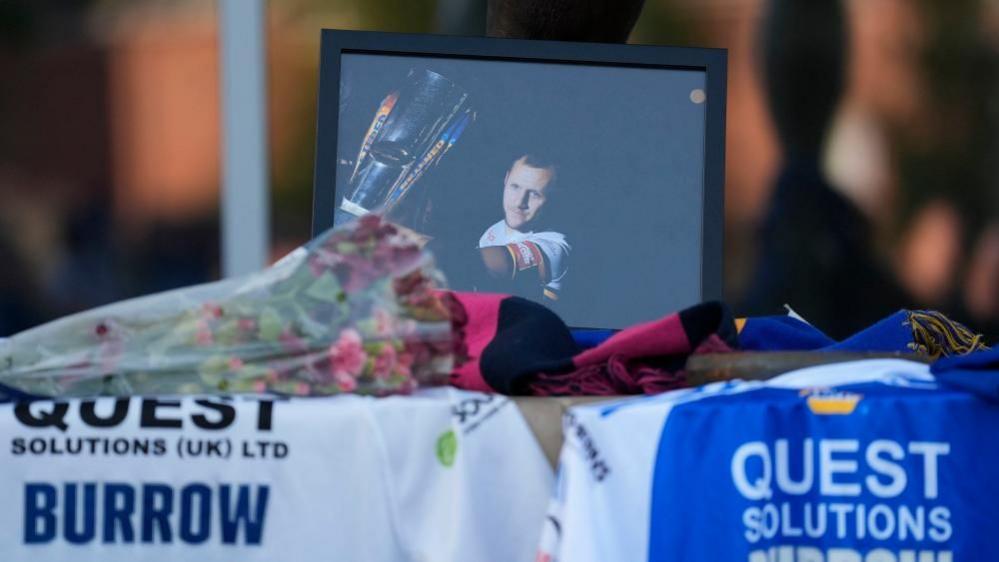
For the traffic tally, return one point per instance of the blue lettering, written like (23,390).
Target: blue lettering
(39,506)
(231,521)
(116,512)
(190,533)
(68,511)
(88,514)
(157,513)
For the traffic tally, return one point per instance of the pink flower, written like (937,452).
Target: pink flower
(260,387)
(235,363)
(322,261)
(211,310)
(404,363)
(347,355)
(408,386)
(203,335)
(247,324)
(345,382)
(291,342)
(385,362)
(367,226)
(110,352)
(356,273)
(383,322)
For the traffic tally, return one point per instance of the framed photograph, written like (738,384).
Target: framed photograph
(588,177)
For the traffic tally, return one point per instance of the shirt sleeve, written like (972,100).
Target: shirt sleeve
(490,238)
(556,254)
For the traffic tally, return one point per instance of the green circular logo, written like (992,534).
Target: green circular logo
(447,446)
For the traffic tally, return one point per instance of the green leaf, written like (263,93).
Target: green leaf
(346,248)
(270,325)
(214,365)
(227,333)
(325,289)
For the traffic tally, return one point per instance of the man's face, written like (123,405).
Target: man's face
(524,193)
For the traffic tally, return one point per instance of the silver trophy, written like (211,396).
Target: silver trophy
(413,128)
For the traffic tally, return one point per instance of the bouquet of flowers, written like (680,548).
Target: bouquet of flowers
(355,310)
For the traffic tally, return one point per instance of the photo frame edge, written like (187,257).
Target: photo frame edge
(713,61)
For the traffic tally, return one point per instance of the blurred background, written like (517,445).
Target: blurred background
(110,139)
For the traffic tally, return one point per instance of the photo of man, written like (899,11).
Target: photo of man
(564,184)
(516,245)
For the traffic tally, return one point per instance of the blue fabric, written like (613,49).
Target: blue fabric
(781,333)
(588,338)
(10,394)
(976,372)
(744,477)
(890,334)
(785,333)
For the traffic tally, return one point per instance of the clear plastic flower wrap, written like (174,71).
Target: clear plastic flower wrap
(355,310)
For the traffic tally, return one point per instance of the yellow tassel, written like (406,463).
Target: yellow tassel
(935,335)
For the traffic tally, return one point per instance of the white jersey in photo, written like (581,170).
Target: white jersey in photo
(552,244)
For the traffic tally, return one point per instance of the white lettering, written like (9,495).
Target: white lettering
(881,532)
(783,465)
(893,471)
(810,554)
(842,555)
(940,528)
(770,521)
(817,528)
(840,509)
(930,451)
(787,528)
(911,524)
(861,521)
(879,554)
(751,519)
(760,488)
(830,467)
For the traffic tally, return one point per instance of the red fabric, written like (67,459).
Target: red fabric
(713,344)
(647,358)
(530,350)
(665,336)
(617,376)
(482,313)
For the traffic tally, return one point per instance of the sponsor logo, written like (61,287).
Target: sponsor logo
(526,255)
(447,448)
(598,465)
(883,492)
(122,513)
(470,413)
(827,402)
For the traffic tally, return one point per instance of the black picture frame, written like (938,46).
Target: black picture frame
(713,62)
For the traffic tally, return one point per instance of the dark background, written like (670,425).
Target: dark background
(630,148)
(124,200)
